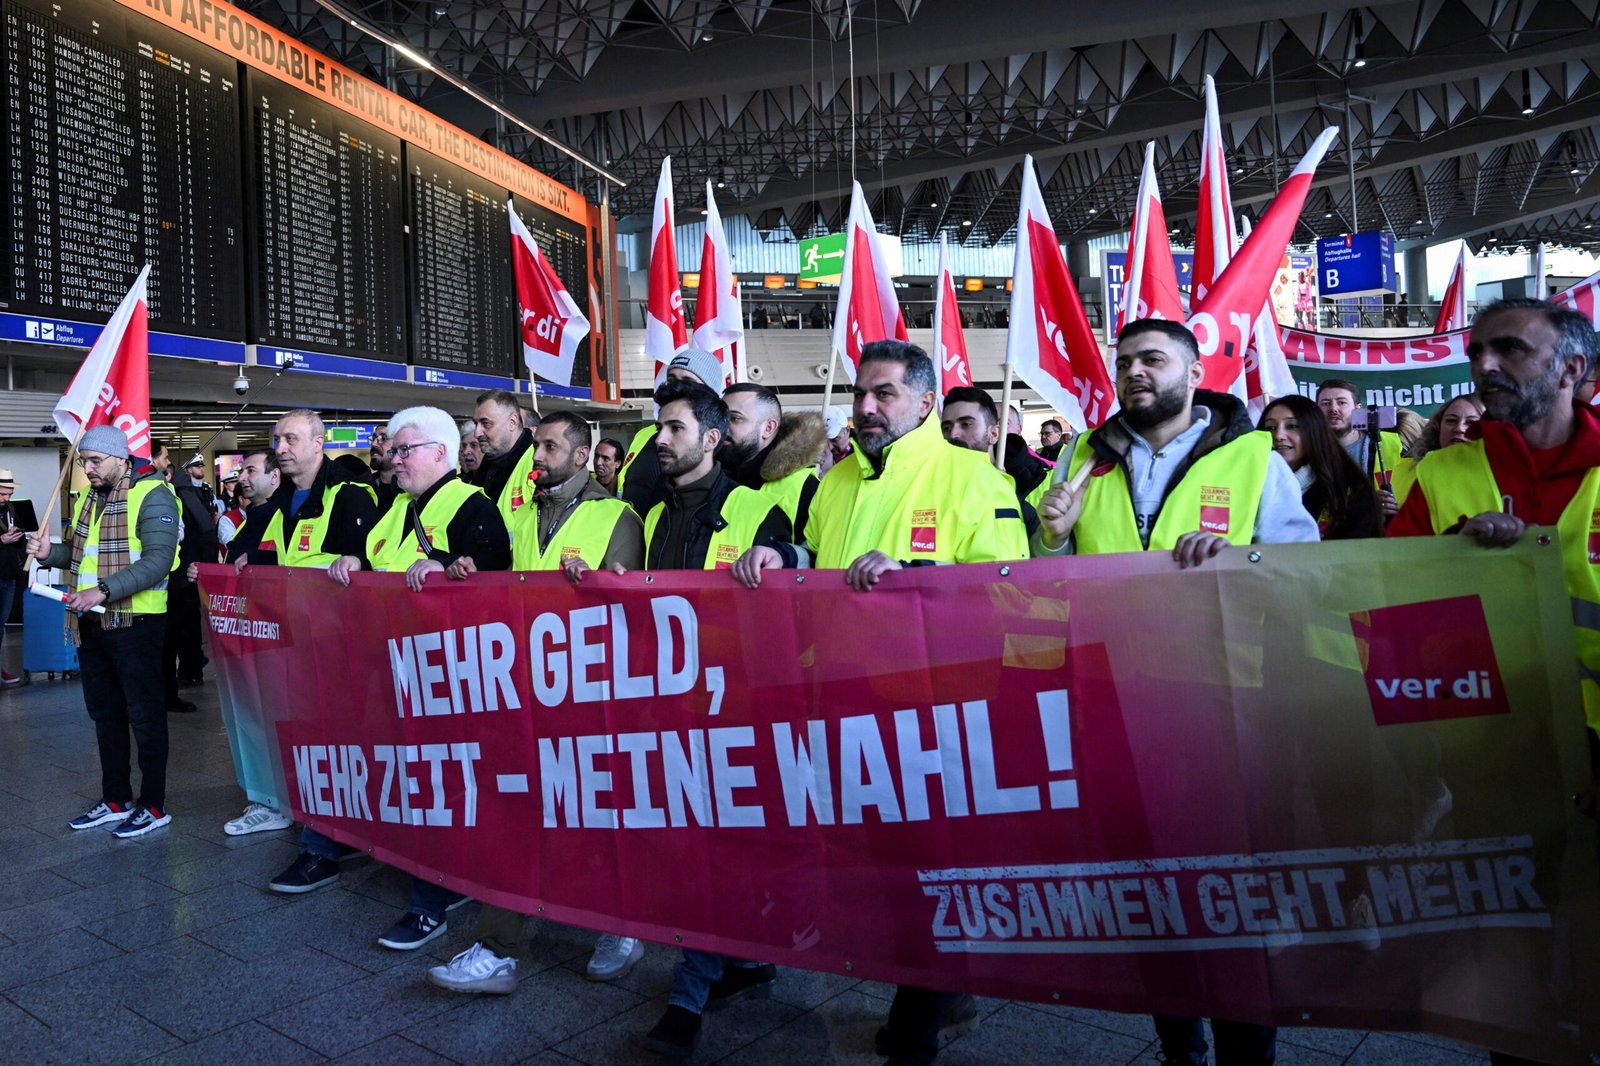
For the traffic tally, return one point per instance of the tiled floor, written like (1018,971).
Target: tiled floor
(170,949)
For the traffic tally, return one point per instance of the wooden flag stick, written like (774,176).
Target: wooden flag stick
(1005,420)
(827,382)
(55,496)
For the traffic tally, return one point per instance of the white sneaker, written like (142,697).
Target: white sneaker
(1433,814)
(613,957)
(476,970)
(257,818)
(1364,923)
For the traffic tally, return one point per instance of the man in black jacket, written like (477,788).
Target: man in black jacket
(640,480)
(707,522)
(505,446)
(16,519)
(182,658)
(770,451)
(319,513)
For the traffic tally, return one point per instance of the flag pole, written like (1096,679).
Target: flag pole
(1005,419)
(55,497)
(827,382)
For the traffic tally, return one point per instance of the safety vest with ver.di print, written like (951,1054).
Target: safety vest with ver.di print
(1220,493)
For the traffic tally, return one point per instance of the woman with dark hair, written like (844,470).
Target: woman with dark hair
(1333,489)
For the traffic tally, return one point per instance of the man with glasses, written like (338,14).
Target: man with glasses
(319,513)
(122,545)
(440,524)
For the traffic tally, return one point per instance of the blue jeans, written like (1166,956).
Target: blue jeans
(431,899)
(318,845)
(694,976)
(1238,1043)
(426,897)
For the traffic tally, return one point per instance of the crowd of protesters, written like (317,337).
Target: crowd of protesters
(726,478)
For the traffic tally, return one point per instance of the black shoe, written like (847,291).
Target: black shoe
(306,874)
(743,982)
(959,1017)
(674,1035)
(177,706)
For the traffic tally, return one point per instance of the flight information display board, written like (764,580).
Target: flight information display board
(463,294)
(120,146)
(327,208)
(565,243)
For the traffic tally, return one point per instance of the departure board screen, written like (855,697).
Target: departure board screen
(327,208)
(463,295)
(120,146)
(565,244)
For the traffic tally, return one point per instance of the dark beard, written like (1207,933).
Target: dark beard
(736,454)
(1167,405)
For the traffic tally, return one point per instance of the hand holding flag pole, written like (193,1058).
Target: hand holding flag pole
(112,387)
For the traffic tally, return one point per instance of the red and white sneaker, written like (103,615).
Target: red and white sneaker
(10,680)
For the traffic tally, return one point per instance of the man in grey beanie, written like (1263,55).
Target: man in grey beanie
(639,482)
(122,545)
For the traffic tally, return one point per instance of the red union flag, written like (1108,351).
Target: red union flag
(665,332)
(1453,308)
(112,387)
(1224,322)
(1213,227)
(1050,344)
(868,309)
(1584,298)
(719,324)
(1150,289)
(552,325)
(949,342)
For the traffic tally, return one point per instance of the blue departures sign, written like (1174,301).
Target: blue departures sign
(1357,264)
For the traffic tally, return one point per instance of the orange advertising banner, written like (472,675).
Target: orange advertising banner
(251,41)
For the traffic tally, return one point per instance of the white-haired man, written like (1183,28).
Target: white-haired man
(439,524)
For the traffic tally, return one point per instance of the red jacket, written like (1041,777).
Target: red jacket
(1536,486)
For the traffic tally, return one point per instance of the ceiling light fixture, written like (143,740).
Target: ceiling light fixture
(412,54)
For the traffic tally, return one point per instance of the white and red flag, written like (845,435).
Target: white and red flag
(665,331)
(1266,369)
(1224,322)
(1453,308)
(1150,281)
(552,325)
(949,340)
(1214,224)
(718,318)
(112,387)
(868,308)
(1050,344)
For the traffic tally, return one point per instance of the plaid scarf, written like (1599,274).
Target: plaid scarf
(112,506)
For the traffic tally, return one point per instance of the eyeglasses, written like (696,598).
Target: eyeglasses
(92,460)
(403,451)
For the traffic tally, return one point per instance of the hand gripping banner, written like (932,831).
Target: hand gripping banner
(1307,785)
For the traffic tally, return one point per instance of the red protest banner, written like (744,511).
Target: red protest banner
(1100,780)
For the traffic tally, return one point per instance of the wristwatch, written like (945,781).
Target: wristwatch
(104,588)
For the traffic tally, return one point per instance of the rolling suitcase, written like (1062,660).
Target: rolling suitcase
(45,646)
